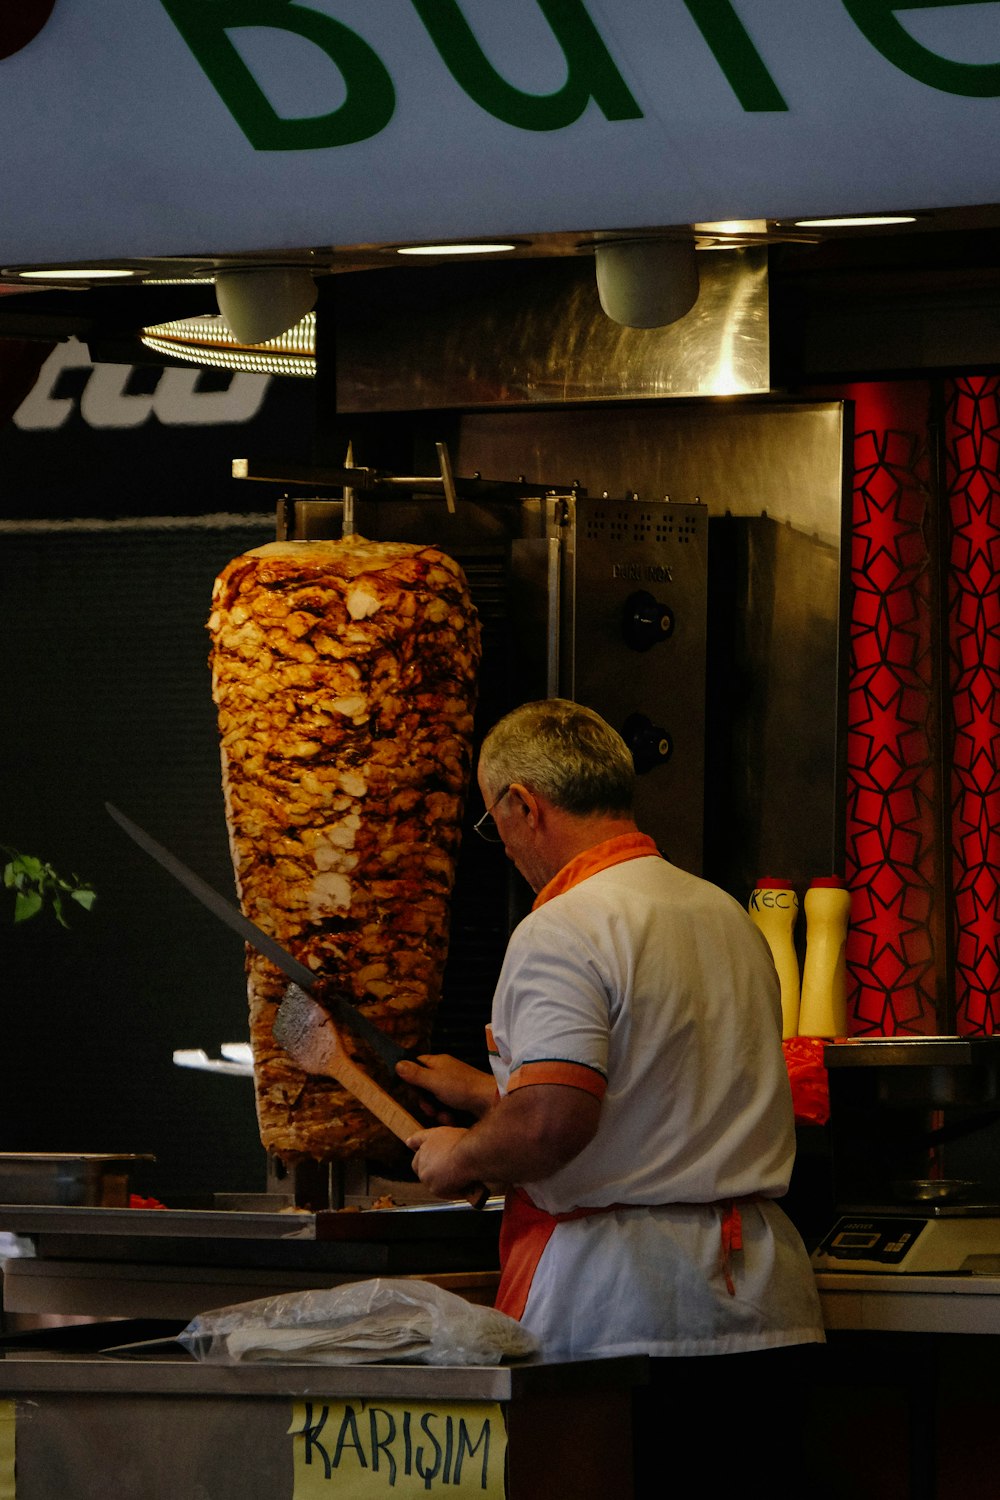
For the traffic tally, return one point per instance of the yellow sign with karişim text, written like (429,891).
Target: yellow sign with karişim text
(7,1423)
(360,1450)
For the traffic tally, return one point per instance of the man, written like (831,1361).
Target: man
(640,1110)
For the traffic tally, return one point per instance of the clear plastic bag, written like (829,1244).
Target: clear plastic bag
(393,1319)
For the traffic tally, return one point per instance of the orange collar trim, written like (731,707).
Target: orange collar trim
(601,857)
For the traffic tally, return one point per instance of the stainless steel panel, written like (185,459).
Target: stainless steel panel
(620,549)
(747,458)
(120,1289)
(91,1446)
(573,1437)
(117,1289)
(535,611)
(534,331)
(772,477)
(774,767)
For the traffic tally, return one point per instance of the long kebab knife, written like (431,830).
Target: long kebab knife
(337,1004)
(309,1035)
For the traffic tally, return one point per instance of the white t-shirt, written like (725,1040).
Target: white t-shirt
(655,988)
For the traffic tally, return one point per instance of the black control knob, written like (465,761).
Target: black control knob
(645,621)
(649,743)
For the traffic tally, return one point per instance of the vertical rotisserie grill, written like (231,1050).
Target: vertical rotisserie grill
(345,678)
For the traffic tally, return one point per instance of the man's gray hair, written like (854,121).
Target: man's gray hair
(565,752)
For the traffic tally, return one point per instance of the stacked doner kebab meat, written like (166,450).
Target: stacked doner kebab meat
(345,675)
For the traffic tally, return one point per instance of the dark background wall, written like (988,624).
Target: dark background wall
(106,571)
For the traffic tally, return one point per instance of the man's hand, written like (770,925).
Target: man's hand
(526,1136)
(437,1161)
(454,1084)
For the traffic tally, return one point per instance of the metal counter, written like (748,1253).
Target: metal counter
(173,1263)
(88,1424)
(438,1223)
(868,1302)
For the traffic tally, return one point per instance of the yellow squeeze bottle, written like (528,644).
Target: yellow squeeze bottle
(774,907)
(823,1011)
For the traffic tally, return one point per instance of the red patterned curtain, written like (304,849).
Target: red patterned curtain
(972,484)
(893,846)
(923,834)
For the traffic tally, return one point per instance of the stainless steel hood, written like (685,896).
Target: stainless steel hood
(533,332)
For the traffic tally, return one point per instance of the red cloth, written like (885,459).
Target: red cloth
(807,1075)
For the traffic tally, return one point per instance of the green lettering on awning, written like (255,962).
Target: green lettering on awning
(371,98)
(877,19)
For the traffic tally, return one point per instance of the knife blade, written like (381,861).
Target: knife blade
(337,1004)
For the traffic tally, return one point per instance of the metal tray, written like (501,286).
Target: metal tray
(442,1221)
(67,1178)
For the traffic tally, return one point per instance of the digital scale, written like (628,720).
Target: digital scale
(915,1143)
(917,1245)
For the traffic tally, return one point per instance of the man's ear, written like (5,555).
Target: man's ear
(524,799)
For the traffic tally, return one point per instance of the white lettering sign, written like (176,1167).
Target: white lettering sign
(106,402)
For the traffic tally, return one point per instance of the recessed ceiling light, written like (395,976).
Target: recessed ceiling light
(733,226)
(858,221)
(452,249)
(75,273)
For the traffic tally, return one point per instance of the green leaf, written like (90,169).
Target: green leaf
(36,884)
(26,904)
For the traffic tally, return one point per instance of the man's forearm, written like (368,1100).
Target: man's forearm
(525,1137)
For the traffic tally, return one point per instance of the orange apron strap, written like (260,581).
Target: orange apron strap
(732,1239)
(524,1233)
(527,1229)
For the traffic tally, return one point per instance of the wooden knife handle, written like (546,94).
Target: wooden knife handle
(351,1076)
(338,1064)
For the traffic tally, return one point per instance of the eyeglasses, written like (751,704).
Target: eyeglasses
(485,826)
